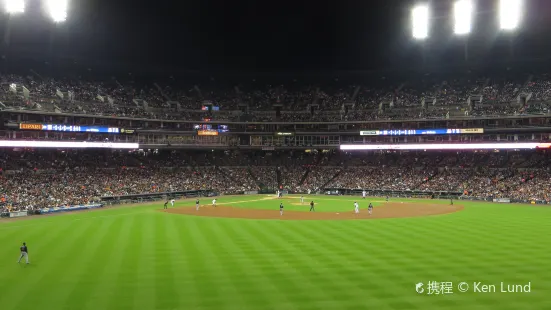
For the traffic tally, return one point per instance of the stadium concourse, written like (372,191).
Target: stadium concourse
(37,179)
(398,99)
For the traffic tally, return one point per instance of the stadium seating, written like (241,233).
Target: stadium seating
(37,179)
(443,98)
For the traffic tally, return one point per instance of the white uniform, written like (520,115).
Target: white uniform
(214,202)
(301,199)
(363,194)
(356,208)
(172,202)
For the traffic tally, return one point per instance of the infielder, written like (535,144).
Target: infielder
(197,204)
(356,207)
(165,205)
(370,208)
(24,253)
(312,206)
(386,197)
(281,208)
(301,199)
(363,194)
(451,201)
(214,202)
(172,202)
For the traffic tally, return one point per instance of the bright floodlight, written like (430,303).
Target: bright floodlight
(420,22)
(463,11)
(509,14)
(14,6)
(57,10)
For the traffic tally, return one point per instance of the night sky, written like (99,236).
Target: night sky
(269,35)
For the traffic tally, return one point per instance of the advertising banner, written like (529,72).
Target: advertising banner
(18,214)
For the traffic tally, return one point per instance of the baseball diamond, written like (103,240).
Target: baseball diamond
(241,255)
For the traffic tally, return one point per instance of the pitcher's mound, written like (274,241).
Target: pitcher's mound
(390,210)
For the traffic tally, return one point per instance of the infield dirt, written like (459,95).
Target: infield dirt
(389,210)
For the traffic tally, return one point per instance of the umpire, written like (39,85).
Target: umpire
(312,206)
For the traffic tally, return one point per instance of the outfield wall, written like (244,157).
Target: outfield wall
(430,194)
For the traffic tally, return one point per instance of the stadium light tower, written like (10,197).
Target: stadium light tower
(420,22)
(509,14)
(462,12)
(14,6)
(57,10)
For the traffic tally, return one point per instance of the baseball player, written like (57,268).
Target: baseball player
(356,207)
(197,204)
(363,194)
(301,199)
(281,208)
(24,253)
(370,208)
(451,201)
(214,202)
(312,206)
(386,197)
(165,205)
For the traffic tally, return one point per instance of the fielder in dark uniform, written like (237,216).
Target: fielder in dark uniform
(370,208)
(197,204)
(24,253)
(451,201)
(166,205)
(386,197)
(312,206)
(281,208)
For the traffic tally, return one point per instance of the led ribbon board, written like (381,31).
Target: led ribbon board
(447,146)
(421,132)
(76,145)
(69,128)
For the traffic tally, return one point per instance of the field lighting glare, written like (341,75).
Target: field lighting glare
(462,12)
(509,14)
(14,6)
(420,22)
(57,10)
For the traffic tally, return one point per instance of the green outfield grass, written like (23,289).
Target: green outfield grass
(138,258)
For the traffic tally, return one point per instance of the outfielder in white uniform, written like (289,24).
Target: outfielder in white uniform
(363,194)
(214,202)
(172,202)
(356,208)
(301,199)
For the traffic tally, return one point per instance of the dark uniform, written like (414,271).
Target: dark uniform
(312,206)
(197,204)
(370,208)
(24,253)
(166,205)
(281,208)
(387,198)
(451,201)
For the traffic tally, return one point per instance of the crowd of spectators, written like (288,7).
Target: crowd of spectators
(31,180)
(443,98)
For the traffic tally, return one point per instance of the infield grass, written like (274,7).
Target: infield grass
(138,258)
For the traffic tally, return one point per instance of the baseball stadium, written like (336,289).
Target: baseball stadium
(152,160)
